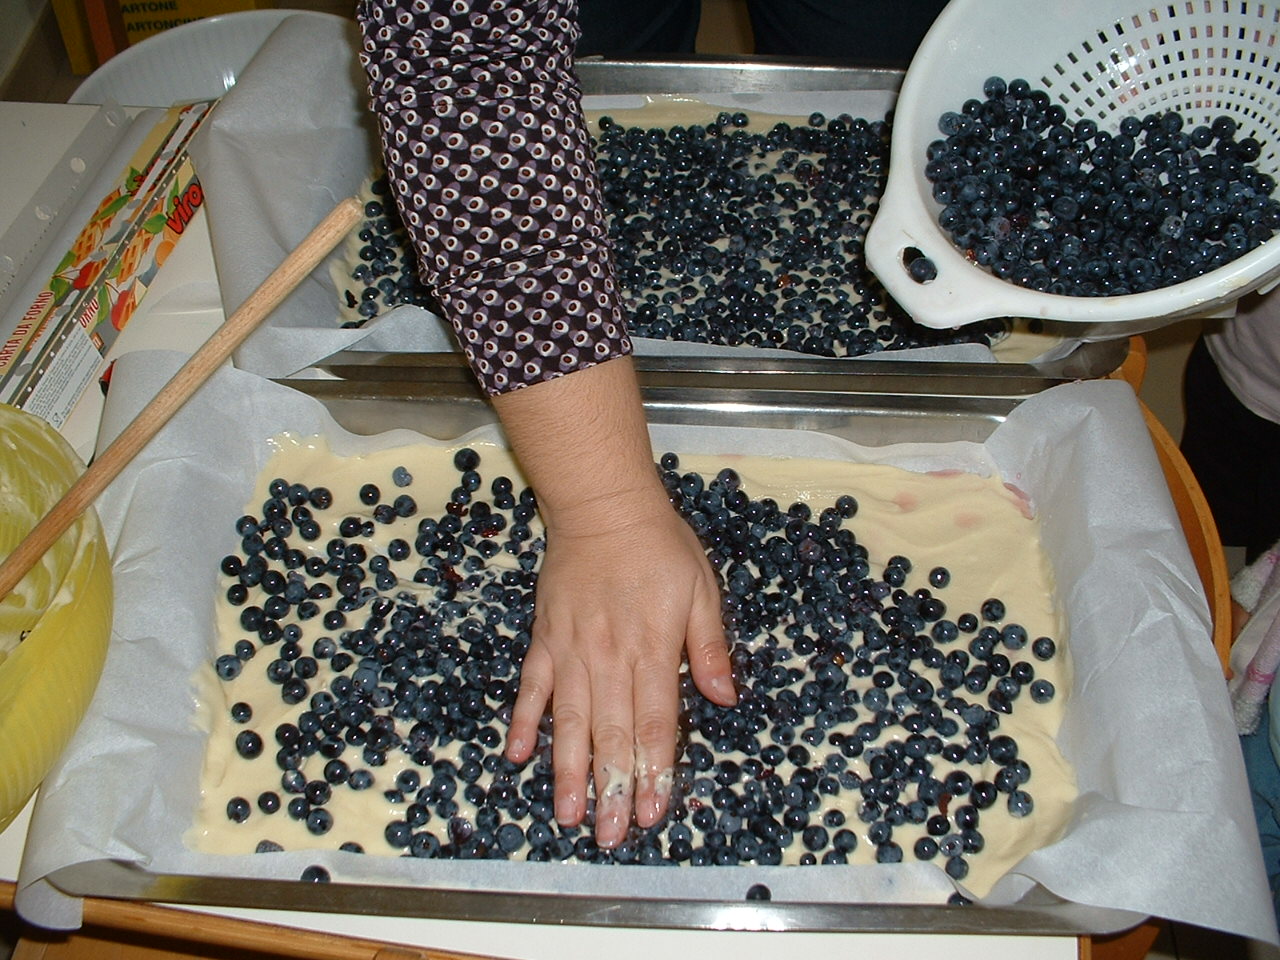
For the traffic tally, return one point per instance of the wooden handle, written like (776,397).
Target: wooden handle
(215,351)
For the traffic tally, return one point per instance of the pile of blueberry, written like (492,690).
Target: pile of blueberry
(727,236)
(387,272)
(724,236)
(1067,208)
(868,713)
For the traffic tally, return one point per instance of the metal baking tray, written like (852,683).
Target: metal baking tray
(875,403)
(695,74)
(436,394)
(748,78)
(118,880)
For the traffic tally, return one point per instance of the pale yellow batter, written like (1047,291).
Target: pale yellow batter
(976,527)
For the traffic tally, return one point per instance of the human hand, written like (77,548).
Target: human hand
(624,588)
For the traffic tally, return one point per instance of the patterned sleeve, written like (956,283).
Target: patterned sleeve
(491,165)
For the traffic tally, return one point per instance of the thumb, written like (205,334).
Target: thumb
(708,648)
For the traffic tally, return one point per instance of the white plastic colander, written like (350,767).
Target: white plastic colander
(1102,60)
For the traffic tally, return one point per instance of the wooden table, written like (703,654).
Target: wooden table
(140,931)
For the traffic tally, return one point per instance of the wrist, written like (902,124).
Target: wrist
(639,502)
(583,444)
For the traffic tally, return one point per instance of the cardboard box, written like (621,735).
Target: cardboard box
(96,30)
(58,346)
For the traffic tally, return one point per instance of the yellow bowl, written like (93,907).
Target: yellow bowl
(55,625)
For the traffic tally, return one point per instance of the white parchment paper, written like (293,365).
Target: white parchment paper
(293,137)
(1162,825)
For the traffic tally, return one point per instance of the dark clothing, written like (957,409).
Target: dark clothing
(1235,455)
(491,164)
(492,169)
(882,33)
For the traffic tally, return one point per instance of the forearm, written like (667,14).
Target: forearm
(584,446)
(492,168)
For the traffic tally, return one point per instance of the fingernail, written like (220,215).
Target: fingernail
(515,747)
(652,797)
(611,821)
(723,688)
(566,809)
(648,810)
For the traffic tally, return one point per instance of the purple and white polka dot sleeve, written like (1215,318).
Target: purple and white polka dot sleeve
(491,166)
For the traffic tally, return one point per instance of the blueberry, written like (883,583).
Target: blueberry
(1042,691)
(992,610)
(926,848)
(268,801)
(759,892)
(315,874)
(957,868)
(983,794)
(958,783)
(1020,803)
(241,712)
(1043,648)
(888,853)
(424,845)
(922,270)
(228,666)
(248,744)
(1003,749)
(510,838)
(401,477)
(369,494)
(238,809)
(318,792)
(1014,636)
(815,838)
(965,816)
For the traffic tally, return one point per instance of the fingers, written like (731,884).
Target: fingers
(613,742)
(657,703)
(571,745)
(614,768)
(531,702)
(571,741)
(606,656)
(708,651)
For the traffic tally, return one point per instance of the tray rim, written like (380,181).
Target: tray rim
(123,880)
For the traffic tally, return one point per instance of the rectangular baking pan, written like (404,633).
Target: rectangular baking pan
(744,79)
(118,880)
(877,403)
(436,394)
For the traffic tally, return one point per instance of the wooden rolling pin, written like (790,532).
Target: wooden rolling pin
(215,351)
